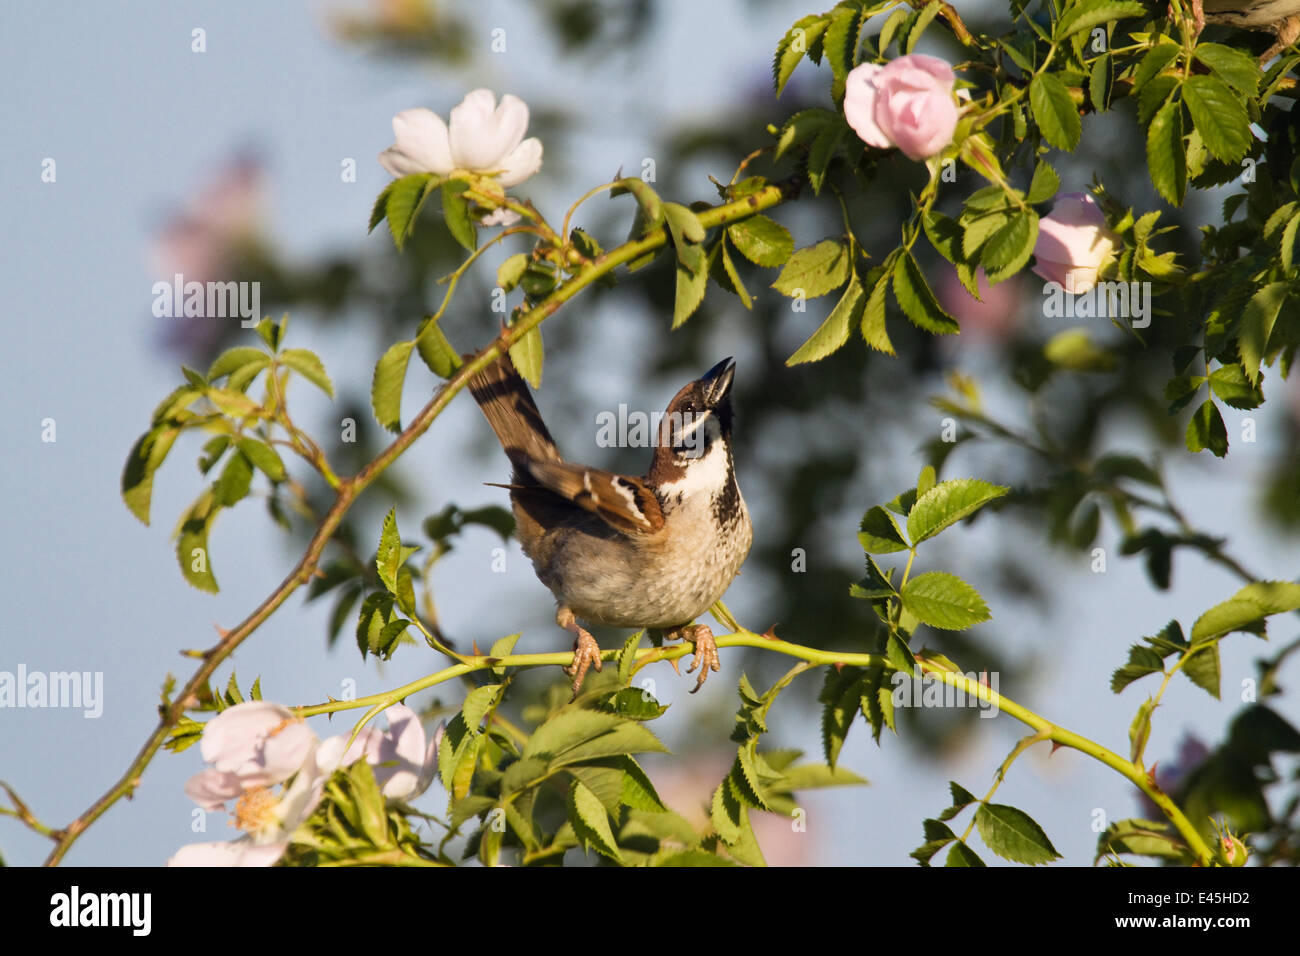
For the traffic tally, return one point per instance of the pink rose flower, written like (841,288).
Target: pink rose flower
(908,103)
(1073,243)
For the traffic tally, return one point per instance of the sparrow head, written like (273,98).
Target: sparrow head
(699,414)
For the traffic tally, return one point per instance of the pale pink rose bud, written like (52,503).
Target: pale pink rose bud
(906,103)
(1073,243)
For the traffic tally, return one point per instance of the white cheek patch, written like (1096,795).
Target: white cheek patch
(706,475)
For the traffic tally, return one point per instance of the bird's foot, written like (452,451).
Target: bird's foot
(586,654)
(706,650)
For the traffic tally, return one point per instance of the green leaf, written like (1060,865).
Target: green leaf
(1093,13)
(627,659)
(1202,669)
(1139,730)
(236,478)
(590,821)
(1166,157)
(389,557)
(917,301)
(192,543)
(386,387)
(1230,383)
(455,212)
(1010,243)
(961,799)
(692,280)
(308,364)
(763,241)
(1013,835)
(962,855)
(527,355)
(1257,326)
(733,277)
(724,814)
(574,735)
(841,45)
(1206,430)
(478,702)
(1218,116)
(1054,111)
(146,456)
(1044,185)
(815,270)
(873,328)
(879,533)
(1232,66)
(944,601)
(512,270)
(232,360)
(435,350)
(1245,609)
(265,457)
(402,204)
(805,126)
(683,224)
(834,332)
(797,42)
(825,146)
(502,647)
(947,503)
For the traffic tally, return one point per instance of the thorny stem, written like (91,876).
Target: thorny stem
(350,489)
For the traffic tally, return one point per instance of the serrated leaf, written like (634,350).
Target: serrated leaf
(917,301)
(402,204)
(1044,185)
(1054,111)
(234,359)
(436,352)
(192,543)
(308,364)
(511,270)
(478,702)
(1092,13)
(834,332)
(1013,835)
(1257,322)
(692,280)
(455,212)
(264,457)
(962,855)
(944,601)
(1206,430)
(1232,66)
(236,478)
(1218,116)
(763,241)
(1166,157)
(879,533)
(146,456)
(947,503)
(872,326)
(815,270)
(1230,383)
(733,277)
(796,43)
(389,556)
(1202,669)
(386,385)
(961,799)
(528,355)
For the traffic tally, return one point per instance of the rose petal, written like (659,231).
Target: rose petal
(524,160)
(477,138)
(210,789)
(860,98)
(422,143)
(235,853)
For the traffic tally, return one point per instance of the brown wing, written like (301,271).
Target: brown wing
(625,503)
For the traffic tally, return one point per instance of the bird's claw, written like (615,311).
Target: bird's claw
(586,654)
(706,652)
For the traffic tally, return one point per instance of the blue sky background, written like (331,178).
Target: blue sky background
(136,123)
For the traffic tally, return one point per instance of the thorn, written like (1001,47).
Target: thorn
(839,666)
(474,646)
(1056,745)
(676,669)
(770,633)
(221,631)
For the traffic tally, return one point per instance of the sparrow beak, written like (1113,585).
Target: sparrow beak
(716,383)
